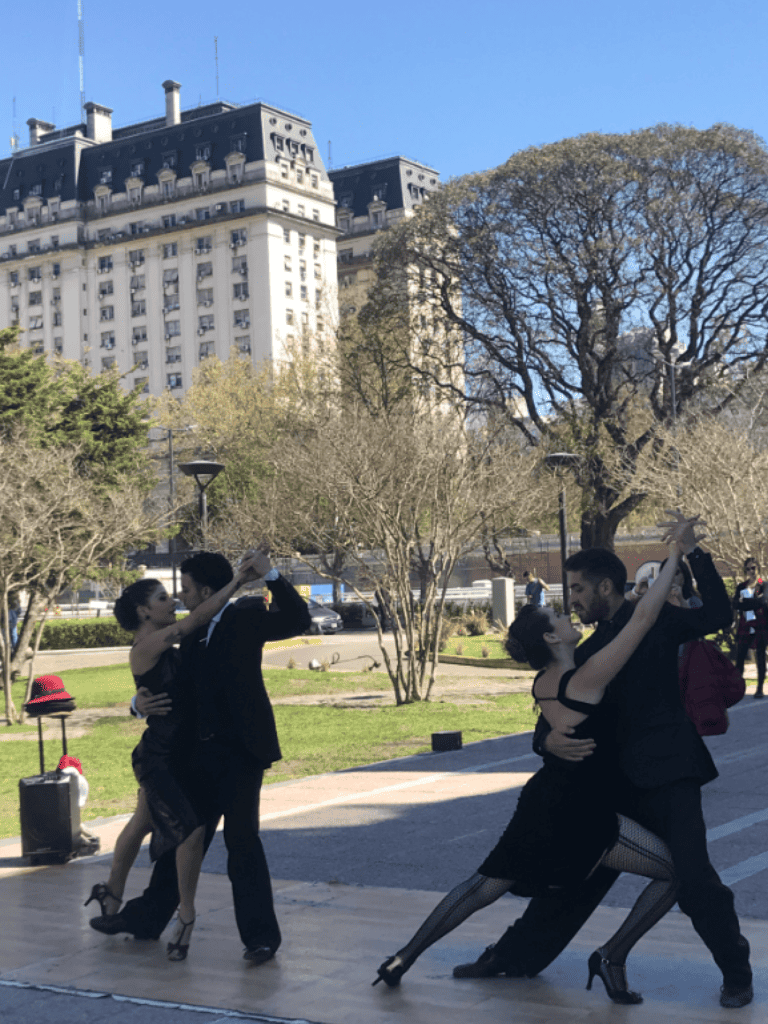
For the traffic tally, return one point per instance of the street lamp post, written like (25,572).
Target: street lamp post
(204,473)
(558,461)
(672,367)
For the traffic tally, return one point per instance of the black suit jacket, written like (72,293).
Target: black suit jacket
(655,742)
(232,702)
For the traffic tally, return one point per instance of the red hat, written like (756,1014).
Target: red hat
(49,697)
(67,761)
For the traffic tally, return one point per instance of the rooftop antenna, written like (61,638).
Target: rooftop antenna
(81,53)
(216,52)
(15,140)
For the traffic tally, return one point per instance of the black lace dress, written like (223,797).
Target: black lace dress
(161,759)
(565,818)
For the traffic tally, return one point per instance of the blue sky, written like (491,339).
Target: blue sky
(458,86)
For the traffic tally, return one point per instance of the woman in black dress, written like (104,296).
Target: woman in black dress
(564,824)
(167,805)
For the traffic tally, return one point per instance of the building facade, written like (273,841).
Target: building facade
(153,246)
(371,197)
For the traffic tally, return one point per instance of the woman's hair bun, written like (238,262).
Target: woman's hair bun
(515,649)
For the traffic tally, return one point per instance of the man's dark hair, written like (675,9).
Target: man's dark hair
(208,569)
(596,565)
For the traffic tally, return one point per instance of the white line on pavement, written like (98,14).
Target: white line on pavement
(736,825)
(424,780)
(744,869)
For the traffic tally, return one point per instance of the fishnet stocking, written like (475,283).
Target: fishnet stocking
(473,894)
(642,853)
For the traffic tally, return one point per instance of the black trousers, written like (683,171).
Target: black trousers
(232,787)
(674,813)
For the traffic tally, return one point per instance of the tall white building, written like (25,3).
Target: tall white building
(156,245)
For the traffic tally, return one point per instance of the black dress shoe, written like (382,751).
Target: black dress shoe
(258,954)
(735,996)
(113,924)
(489,965)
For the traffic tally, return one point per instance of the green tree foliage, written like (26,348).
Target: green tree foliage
(566,268)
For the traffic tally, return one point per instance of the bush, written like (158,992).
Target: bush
(66,634)
(477,623)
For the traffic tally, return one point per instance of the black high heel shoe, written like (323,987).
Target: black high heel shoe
(178,947)
(614,977)
(391,975)
(101,893)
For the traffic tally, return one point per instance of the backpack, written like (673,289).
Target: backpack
(709,684)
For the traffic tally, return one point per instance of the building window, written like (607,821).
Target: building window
(206,349)
(289,316)
(242,318)
(169,161)
(315,215)
(137,168)
(134,196)
(142,361)
(203,245)
(105,264)
(237,238)
(204,270)
(106,288)
(138,335)
(34,246)
(36,298)
(169,220)
(56,270)
(303,270)
(136,227)
(238,206)
(318,297)
(203,151)
(345,256)
(57,319)
(170,249)
(38,347)
(107,313)
(318,272)
(303,292)
(58,346)
(108,339)
(288,289)
(139,307)
(203,213)
(299,175)
(314,181)
(300,209)
(286,205)
(172,329)
(240,265)
(169,188)
(138,282)
(12,250)
(35,323)
(286,262)
(170,278)
(302,240)
(201,180)
(13,277)
(141,384)
(205,296)
(286,235)
(237,144)
(241,291)
(16,195)
(136,257)
(105,176)
(103,203)
(205,323)
(173,354)
(243,342)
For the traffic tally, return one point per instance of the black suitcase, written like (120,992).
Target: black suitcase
(50,817)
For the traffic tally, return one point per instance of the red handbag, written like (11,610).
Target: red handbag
(709,684)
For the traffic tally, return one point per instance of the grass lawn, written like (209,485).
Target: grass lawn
(472,646)
(313,740)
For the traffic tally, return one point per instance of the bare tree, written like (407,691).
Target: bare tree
(392,485)
(566,269)
(58,526)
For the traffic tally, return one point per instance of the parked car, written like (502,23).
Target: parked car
(324,620)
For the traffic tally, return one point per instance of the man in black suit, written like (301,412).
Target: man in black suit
(663,763)
(236,743)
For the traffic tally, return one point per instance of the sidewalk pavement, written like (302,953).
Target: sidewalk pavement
(335,936)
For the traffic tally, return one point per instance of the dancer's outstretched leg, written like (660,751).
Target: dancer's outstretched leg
(642,853)
(473,894)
